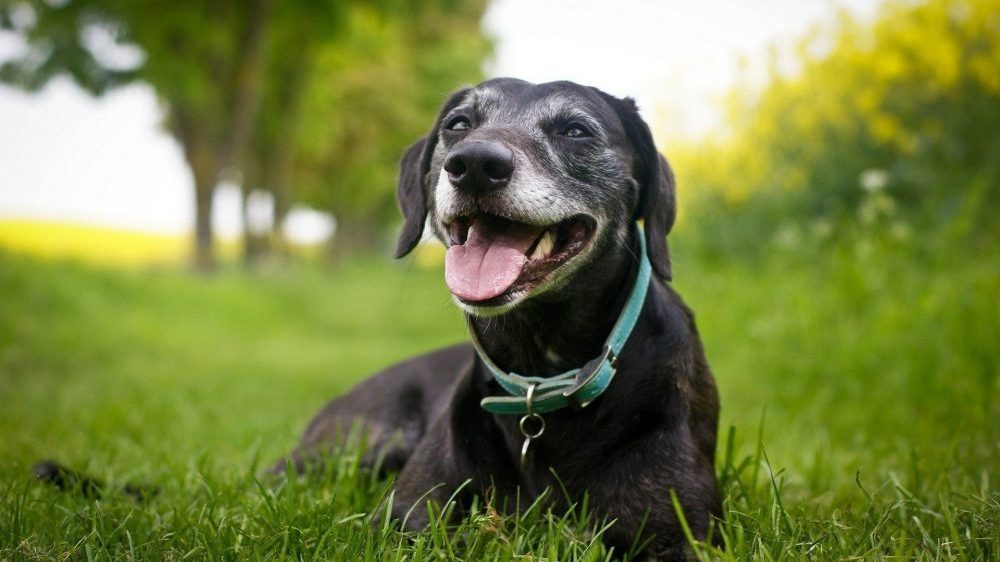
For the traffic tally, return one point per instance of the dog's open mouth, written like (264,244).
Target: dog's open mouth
(490,256)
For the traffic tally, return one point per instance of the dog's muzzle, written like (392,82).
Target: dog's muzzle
(496,247)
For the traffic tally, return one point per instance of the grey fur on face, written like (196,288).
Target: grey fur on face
(554,178)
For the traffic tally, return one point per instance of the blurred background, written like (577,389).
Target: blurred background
(197,209)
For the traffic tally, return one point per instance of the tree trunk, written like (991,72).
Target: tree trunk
(204,239)
(355,235)
(281,163)
(248,86)
(211,150)
(255,244)
(194,138)
(248,83)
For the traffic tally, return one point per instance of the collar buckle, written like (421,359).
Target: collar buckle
(577,394)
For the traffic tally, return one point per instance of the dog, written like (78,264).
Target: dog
(584,372)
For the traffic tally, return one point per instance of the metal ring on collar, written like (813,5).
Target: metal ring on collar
(527,431)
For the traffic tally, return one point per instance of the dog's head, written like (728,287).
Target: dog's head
(530,185)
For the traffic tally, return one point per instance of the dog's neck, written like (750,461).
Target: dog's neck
(553,333)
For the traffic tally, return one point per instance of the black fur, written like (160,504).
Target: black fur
(69,480)
(657,205)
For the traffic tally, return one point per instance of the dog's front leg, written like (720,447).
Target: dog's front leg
(637,487)
(460,456)
(430,476)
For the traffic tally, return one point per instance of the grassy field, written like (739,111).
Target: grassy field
(861,418)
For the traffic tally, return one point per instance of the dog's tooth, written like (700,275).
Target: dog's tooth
(550,241)
(544,246)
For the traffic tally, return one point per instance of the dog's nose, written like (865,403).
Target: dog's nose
(477,165)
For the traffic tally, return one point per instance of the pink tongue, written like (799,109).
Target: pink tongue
(490,260)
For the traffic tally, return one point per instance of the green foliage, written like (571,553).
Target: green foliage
(57,47)
(382,86)
(906,106)
(188,55)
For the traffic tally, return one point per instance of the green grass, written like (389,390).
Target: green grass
(861,418)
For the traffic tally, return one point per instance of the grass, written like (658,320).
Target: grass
(861,418)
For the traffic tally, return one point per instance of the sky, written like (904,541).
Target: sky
(674,56)
(65,156)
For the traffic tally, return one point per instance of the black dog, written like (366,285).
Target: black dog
(539,192)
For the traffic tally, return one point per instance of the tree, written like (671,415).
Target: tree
(334,125)
(214,65)
(385,81)
(204,62)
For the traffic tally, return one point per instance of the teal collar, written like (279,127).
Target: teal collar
(576,387)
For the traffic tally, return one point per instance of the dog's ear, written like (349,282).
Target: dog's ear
(658,209)
(411,190)
(411,199)
(657,199)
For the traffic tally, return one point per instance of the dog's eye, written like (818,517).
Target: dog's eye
(458,124)
(575,131)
